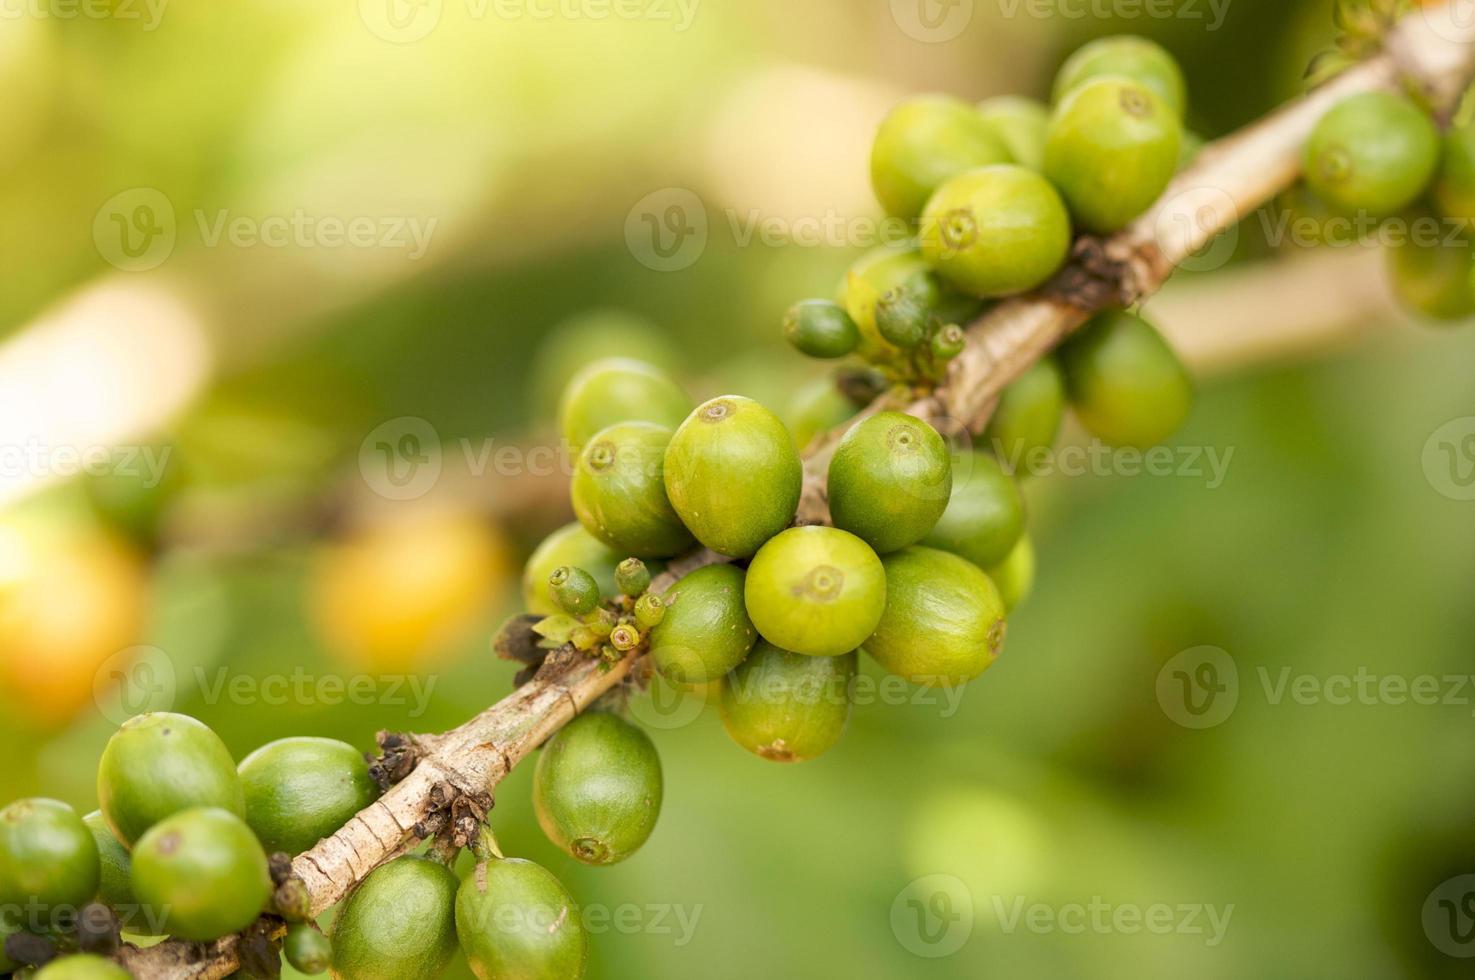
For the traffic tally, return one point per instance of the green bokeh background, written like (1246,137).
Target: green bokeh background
(1060,778)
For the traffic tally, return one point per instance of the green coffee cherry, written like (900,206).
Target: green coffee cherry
(619,492)
(1454,190)
(160,763)
(1432,277)
(1020,125)
(615,390)
(115,883)
(1126,56)
(706,630)
(949,342)
(873,276)
(787,707)
(1373,152)
(1125,383)
(985,515)
(1015,575)
(730,443)
(514,919)
(205,870)
(597,788)
(82,966)
(1112,149)
(300,790)
(815,590)
(569,545)
(307,949)
(632,577)
(48,857)
(996,231)
(817,406)
(944,621)
(1029,413)
(574,590)
(923,142)
(902,317)
(889,480)
(398,923)
(650,611)
(820,328)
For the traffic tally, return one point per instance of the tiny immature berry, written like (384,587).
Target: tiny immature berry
(307,949)
(625,638)
(949,342)
(649,611)
(821,329)
(901,317)
(574,590)
(632,577)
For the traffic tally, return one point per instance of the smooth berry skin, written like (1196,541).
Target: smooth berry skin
(573,546)
(1454,187)
(820,328)
(705,631)
(818,591)
(82,966)
(996,231)
(619,492)
(205,870)
(399,922)
(984,518)
(514,919)
(1112,149)
(1372,153)
(302,789)
(1126,385)
(1015,575)
(1028,416)
(924,142)
(1137,58)
(1432,276)
(48,858)
(597,788)
(1020,124)
(787,707)
(889,480)
(618,389)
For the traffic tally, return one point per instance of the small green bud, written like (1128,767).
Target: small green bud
(649,611)
(949,342)
(584,639)
(820,328)
(625,637)
(574,590)
(901,316)
(632,577)
(307,949)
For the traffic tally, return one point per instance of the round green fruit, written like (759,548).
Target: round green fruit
(115,882)
(733,475)
(922,143)
(889,480)
(516,921)
(817,406)
(1020,124)
(307,949)
(996,231)
(573,546)
(820,328)
(1454,189)
(575,589)
(597,788)
(619,492)
(82,966)
(944,621)
(787,707)
(48,858)
(593,335)
(1028,415)
(205,870)
(1374,152)
(1112,149)
(160,763)
(300,790)
(985,516)
(705,631)
(881,272)
(815,590)
(1125,383)
(618,389)
(1432,276)
(398,924)
(1015,575)
(1126,56)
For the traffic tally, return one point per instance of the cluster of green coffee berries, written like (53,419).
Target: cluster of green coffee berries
(995,193)
(186,844)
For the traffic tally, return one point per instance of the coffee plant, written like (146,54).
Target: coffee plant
(716,550)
